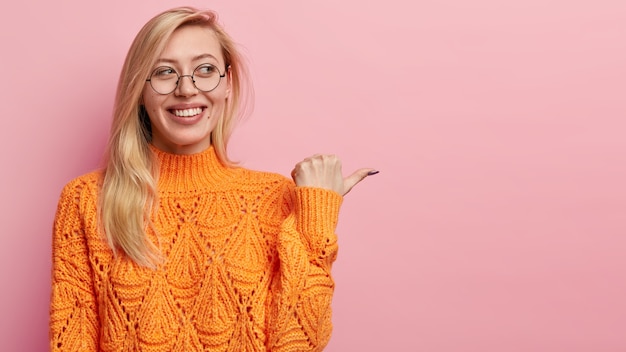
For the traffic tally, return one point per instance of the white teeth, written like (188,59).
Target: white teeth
(187,112)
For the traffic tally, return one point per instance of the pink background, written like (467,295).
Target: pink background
(498,221)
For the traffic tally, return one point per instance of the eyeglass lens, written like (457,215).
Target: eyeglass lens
(165,79)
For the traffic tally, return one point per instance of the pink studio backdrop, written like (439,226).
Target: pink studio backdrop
(498,220)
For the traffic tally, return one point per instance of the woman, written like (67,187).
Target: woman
(171,247)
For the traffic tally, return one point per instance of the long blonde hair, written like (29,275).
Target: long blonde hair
(128,195)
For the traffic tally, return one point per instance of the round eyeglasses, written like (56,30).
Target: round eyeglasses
(205,77)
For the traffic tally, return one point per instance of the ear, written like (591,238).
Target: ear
(229,77)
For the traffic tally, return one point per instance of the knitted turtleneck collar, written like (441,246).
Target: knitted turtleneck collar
(189,172)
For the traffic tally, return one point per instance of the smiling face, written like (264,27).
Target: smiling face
(183,120)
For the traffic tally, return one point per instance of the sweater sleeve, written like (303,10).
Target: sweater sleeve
(74,322)
(300,318)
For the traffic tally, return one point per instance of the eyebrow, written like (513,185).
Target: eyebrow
(195,58)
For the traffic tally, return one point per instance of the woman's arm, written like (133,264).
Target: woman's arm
(300,315)
(74,322)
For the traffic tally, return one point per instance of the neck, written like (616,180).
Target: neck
(189,172)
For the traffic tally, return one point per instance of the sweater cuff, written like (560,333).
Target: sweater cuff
(317,213)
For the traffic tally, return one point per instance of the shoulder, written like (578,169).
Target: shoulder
(271,194)
(267,186)
(87,184)
(77,202)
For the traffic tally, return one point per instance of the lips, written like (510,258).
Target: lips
(187,112)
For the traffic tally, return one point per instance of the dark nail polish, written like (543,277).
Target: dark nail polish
(372,173)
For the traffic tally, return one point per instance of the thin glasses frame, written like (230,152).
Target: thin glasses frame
(192,76)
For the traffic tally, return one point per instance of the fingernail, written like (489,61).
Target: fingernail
(374,172)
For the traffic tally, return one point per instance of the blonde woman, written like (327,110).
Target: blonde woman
(171,247)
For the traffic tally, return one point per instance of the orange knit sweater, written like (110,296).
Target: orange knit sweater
(247,265)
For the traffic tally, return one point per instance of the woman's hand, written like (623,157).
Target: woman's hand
(324,171)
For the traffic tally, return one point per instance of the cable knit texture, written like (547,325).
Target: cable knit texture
(247,265)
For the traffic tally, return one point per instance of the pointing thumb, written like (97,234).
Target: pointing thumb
(358,176)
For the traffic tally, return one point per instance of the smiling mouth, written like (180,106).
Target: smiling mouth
(187,112)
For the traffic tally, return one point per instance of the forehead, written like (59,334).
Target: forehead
(189,42)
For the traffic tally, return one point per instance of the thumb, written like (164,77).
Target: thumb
(356,177)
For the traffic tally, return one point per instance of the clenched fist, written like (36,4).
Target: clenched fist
(324,171)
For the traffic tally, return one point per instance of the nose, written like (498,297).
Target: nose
(185,87)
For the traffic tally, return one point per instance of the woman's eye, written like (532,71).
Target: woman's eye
(208,69)
(164,71)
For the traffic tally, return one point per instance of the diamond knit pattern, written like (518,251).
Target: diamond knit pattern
(247,259)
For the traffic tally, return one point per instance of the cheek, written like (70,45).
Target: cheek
(151,102)
(148,96)
(218,97)
(218,108)
(217,101)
